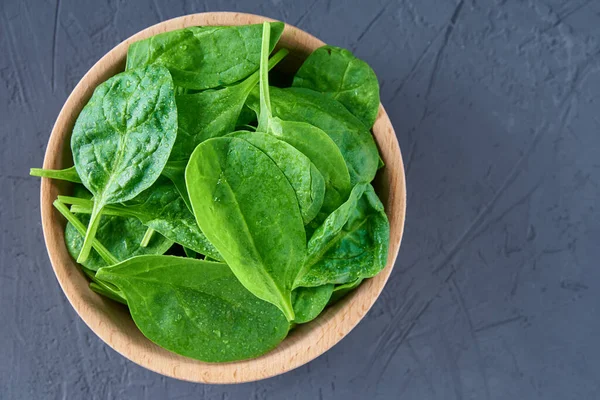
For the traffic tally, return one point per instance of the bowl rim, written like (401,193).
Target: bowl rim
(105,318)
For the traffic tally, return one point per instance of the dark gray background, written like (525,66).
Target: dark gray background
(495,292)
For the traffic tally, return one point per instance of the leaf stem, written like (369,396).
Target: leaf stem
(91,231)
(265,101)
(67,174)
(85,206)
(253,79)
(147,237)
(288,310)
(102,251)
(75,200)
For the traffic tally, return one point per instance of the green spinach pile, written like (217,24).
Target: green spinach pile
(221,211)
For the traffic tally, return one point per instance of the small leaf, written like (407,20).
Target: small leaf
(351,244)
(337,73)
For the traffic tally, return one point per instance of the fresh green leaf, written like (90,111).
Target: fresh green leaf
(305,178)
(123,137)
(248,210)
(309,302)
(350,135)
(204,57)
(67,174)
(351,244)
(196,308)
(337,73)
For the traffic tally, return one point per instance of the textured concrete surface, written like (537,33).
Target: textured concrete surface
(495,293)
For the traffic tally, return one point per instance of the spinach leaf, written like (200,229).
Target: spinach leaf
(340,291)
(309,302)
(248,210)
(350,135)
(325,155)
(337,73)
(120,235)
(123,137)
(162,209)
(305,178)
(67,174)
(352,243)
(204,57)
(196,308)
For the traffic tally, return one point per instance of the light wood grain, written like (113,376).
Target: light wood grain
(112,323)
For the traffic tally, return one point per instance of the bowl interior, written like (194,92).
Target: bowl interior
(112,322)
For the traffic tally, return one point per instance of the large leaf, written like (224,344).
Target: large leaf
(123,137)
(204,57)
(337,73)
(305,178)
(351,244)
(350,135)
(248,210)
(196,308)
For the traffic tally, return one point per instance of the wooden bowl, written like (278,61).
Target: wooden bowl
(112,322)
